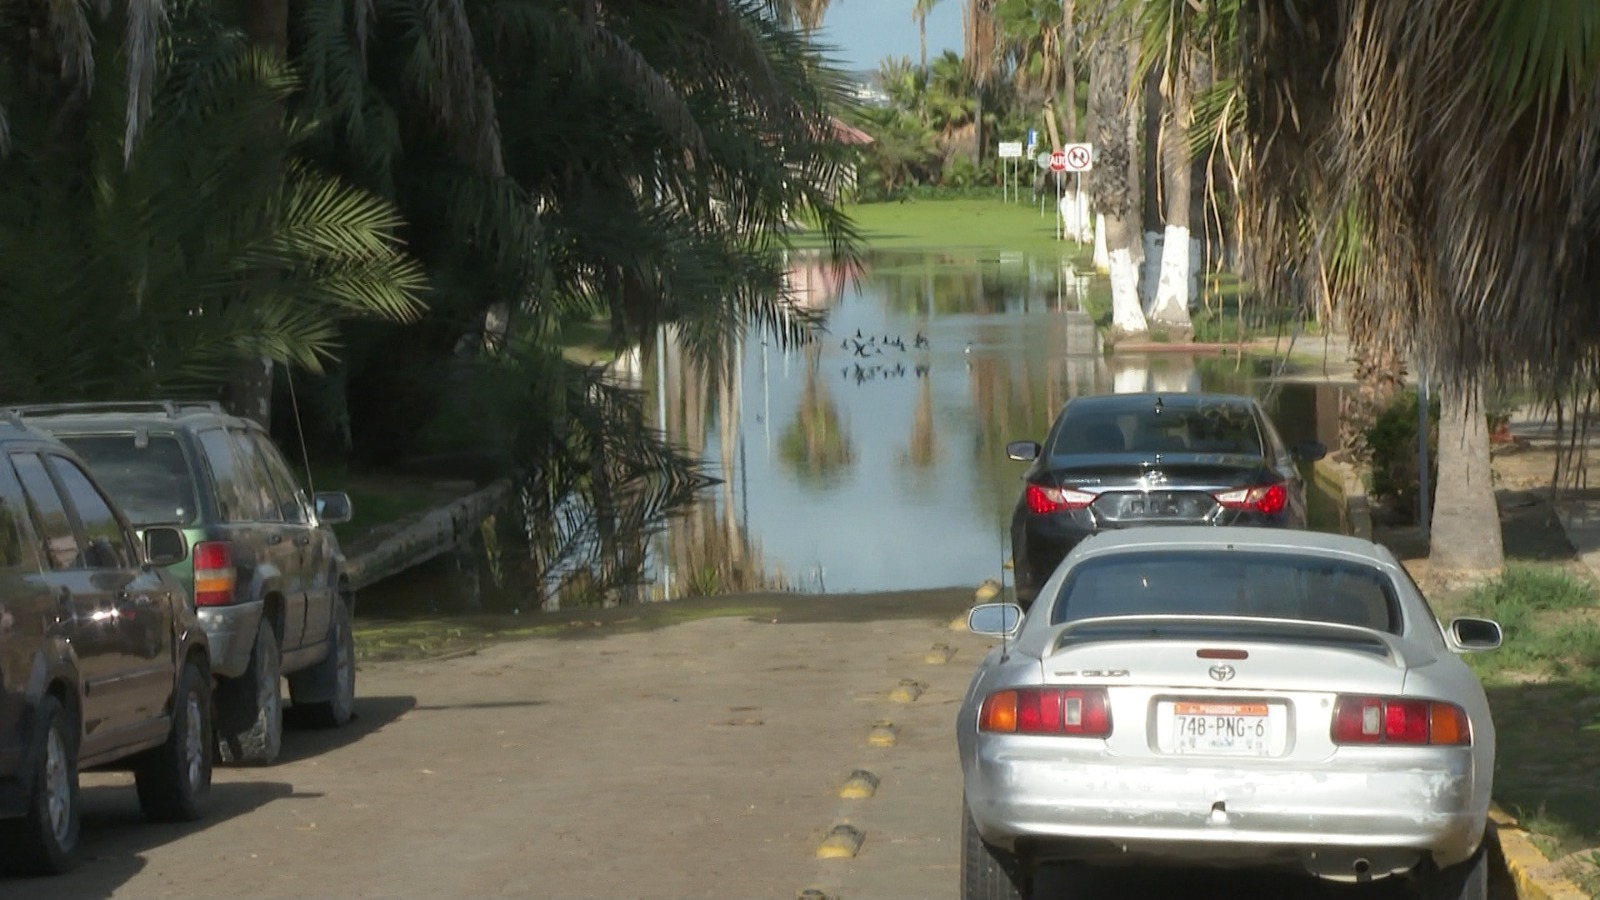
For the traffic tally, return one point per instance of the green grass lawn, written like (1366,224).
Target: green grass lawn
(1544,688)
(953,225)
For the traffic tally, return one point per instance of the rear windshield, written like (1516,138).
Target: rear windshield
(1230,583)
(1221,428)
(151,483)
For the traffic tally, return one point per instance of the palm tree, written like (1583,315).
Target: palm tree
(1172,291)
(920,9)
(629,162)
(144,268)
(981,39)
(1460,136)
(1111,180)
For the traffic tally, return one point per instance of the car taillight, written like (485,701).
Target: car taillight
(1045,500)
(1269,500)
(1078,712)
(214,575)
(1394,720)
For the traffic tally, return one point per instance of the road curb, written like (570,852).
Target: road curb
(1536,877)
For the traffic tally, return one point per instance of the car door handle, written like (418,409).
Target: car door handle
(302,540)
(275,539)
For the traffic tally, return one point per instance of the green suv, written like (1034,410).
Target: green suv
(266,571)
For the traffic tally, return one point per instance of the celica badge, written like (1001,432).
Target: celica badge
(1221,673)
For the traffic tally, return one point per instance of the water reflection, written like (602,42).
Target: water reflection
(873,458)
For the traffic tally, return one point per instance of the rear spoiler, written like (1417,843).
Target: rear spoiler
(1241,628)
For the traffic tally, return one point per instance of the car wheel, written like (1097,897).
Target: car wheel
(989,873)
(249,709)
(1463,881)
(45,839)
(326,693)
(174,779)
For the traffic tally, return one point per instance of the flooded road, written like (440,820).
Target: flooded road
(873,459)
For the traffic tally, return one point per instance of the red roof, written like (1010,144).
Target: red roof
(845,133)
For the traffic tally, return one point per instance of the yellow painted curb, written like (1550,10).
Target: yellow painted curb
(987,591)
(1534,874)
(959,623)
(883,734)
(860,785)
(842,842)
(939,654)
(907,691)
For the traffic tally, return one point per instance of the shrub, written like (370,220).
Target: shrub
(1392,442)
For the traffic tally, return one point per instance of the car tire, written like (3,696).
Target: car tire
(174,779)
(325,695)
(44,841)
(987,872)
(249,709)
(1463,881)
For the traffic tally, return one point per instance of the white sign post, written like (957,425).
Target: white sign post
(1077,159)
(1009,150)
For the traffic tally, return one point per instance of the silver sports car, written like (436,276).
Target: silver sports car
(1227,696)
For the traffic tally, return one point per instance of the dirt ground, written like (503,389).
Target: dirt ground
(702,759)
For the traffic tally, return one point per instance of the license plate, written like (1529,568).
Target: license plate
(1156,506)
(1228,729)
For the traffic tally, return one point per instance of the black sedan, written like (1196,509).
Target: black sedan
(1120,460)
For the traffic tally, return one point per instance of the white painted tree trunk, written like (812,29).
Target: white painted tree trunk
(1077,221)
(1152,246)
(1172,288)
(1127,315)
(1102,259)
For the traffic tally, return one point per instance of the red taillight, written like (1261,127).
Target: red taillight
(1045,500)
(1269,500)
(214,575)
(1078,712)
(1395,720)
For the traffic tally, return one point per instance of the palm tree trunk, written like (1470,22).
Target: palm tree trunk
(1466,539)
(1069,69)
(1111,183)
(922,41)
(1171,305)
(1148,175)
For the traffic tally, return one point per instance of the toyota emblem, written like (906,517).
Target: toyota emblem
(1221,673)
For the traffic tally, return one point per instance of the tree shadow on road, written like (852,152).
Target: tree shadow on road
(116,835)
(302,740)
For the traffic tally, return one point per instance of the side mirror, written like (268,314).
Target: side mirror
(1475,635)
(164,545)
(333,507)
(1309,451)
(1023,451)
(994,619)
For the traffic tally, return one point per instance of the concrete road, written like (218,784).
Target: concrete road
(703,759)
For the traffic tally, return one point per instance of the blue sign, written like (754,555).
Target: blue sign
(1033,138)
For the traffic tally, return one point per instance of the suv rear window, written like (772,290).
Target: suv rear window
(153,483)
(1222,428)
(1230,583)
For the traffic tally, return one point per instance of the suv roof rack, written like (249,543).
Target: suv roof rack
(173,408)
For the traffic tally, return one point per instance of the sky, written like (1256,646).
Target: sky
(863,32)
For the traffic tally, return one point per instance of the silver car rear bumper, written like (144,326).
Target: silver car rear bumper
(1385,806)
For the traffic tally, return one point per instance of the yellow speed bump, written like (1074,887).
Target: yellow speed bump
(883,734)
(861,785)
(987,591)
(815,893)
(939,654)
(842,842)
(906,691)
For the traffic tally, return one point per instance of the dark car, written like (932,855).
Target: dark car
(266,572)
(1123,460)
(102,659)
